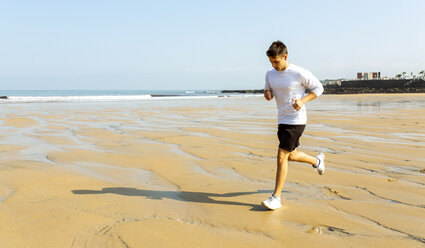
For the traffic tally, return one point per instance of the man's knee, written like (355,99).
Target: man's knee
(283,154)
(292,155)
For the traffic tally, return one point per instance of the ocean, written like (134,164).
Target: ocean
(45,96)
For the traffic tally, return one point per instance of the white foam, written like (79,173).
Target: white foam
(16,99)
(104,98)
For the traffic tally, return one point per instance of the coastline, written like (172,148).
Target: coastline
(346,87)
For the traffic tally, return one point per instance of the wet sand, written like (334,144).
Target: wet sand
(193,173)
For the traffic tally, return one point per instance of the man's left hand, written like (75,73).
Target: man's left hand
(298,104)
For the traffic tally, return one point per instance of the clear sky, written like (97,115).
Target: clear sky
(146,45)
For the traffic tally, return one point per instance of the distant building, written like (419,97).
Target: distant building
(368,75)
(359,75)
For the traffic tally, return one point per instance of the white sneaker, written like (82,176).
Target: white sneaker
(273,202)
(321,166)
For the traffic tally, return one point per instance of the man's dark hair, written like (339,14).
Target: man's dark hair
(277,48)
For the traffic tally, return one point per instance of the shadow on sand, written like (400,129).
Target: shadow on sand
(187,196)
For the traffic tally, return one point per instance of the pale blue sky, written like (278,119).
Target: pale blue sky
(201,44)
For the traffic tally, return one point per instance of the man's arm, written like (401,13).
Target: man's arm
(268,94)
(309,81)
(299,103)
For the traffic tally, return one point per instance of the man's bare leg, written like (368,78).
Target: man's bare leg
(282,171)
(298,156)
(283,157)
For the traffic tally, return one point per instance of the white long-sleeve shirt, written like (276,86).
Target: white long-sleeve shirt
(289,84)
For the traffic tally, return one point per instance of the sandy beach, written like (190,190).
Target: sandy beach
(192,173)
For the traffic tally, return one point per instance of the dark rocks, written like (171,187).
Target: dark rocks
(363,87)
(367,90)
(377,86)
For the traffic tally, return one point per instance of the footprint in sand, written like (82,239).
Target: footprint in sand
(324,229)
(337,193)
(315,230)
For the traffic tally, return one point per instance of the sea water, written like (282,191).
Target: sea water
(45,96)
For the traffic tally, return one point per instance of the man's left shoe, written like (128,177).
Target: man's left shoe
(273,202)
(321,164)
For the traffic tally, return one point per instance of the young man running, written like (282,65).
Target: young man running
(287,84)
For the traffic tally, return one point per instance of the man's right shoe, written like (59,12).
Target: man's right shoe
(321,163)
(273,202)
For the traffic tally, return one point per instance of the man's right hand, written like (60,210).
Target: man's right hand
(268,94)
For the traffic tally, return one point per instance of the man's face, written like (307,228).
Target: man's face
(279,62)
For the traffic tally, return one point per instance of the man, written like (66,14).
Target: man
(287,84)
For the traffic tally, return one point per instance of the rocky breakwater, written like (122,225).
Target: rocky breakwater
(377,86)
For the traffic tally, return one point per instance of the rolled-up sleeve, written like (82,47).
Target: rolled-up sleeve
(309,81)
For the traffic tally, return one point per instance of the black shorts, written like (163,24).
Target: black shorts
(289,136)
